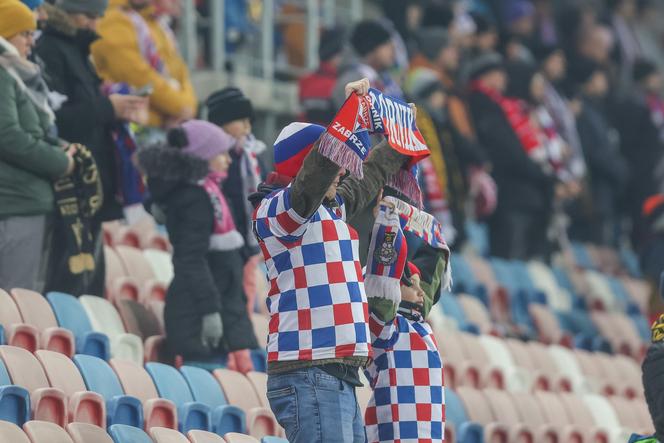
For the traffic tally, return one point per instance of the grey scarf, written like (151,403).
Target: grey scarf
(27,75)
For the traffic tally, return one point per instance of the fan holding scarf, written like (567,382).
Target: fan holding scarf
(318,336)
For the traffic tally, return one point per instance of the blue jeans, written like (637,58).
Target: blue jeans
(315,407)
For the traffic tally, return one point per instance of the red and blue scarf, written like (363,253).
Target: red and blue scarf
(376,113)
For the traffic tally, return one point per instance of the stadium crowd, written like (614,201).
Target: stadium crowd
(544,120)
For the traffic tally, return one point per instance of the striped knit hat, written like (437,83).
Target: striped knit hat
(293,144)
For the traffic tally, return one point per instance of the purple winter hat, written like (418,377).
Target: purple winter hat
(201,139)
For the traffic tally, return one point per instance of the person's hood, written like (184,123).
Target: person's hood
(61,23)
(168,168)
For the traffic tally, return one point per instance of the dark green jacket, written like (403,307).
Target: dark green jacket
(28,162)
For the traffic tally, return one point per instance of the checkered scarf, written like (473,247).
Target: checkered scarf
(378,114)
(388,250)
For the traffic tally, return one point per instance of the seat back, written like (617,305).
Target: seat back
(546,323)
(476,313)
(261,325)
(237,389)
(161,263)
(135,263)
(204,437)
(46,432)
(544,279)
(626,412)
(203,386)
(69,313)
(473,350)
(567,364)
(502,406)
(61,372)
(259,382)
(483,272)
(476,405)
(134,379)
(601,410)
(103,316)
(520,353)
(234,437)
(14,400)
(114,267)
(11,433)
(34,309)
(128,434)
(23,368)
(98,376)
(87,433)
(542,358)
(164,435)
(553,409)
(138,319)
(450,346)
(9,313)
(577,410)
(455,411)
(497,351)
(528,408)
(169,383)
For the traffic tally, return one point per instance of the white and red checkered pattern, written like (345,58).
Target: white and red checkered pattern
(406,375)
(318,308)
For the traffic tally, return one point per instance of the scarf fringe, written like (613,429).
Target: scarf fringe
(341,154)
(378,286)
(406,183)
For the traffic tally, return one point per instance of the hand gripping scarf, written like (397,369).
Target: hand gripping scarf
(388,251)
(376,113)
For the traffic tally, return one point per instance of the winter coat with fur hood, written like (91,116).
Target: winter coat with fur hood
(205,280)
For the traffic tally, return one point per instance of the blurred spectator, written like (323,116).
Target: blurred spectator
(231,110)
(316,89)
(607,168)
(653,388)
(640,121)
(406,15)
(649,31)
(651,249)
(595,43)
(138,49)
(485,38)
(31,158)
(627,50)
(86,116)
(553,66)
(525,191)
(373,45)
(205,311)
(545,23)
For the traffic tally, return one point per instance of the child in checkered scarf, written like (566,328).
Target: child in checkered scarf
(406,373)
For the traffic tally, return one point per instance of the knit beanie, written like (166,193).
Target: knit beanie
(95,8)
(227,105)
(292,146)
(32,4)
(368,35)
(201,139)
(642,69)
(331,43)
(15,17)
(430,41)
(484,64)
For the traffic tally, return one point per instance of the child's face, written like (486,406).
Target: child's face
(238,128)
(415,293)
(220,163)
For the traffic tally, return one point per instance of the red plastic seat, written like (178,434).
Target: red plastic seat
(476,313)
(138,268)
(87,433)
(504,411)
(557,415)
(137,382)
(165,435)
(544,362)
(46,432)
(579,414)
(48,404)
(84,406)
(140,321)
(118,282)
(36,311)
(532,415)
(594,372)
(9,432)
(459,370)
(239,392)
(547,325)
(204,437)
(492,375)
(17,332)
(234,437)
(479,411)
(523,359)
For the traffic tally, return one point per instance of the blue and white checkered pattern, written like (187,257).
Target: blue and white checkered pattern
(406,374)
(318,308)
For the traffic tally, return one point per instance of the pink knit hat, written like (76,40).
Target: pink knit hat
(201,139)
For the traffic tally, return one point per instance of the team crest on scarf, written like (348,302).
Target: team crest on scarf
(386,254)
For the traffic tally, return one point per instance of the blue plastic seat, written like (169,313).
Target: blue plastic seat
(478,235)
(70,315)
(205,389)
(455,413)
(128,434)
(581,256)
(100,378)
(14,400)
(271,439)
(2,335)
(172,386)
(451,308)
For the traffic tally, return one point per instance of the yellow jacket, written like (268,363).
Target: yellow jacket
(118,59)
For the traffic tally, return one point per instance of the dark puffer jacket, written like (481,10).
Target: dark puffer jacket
(653,386)
(205,281)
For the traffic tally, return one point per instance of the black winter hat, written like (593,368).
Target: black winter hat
(642,69)
(485,63)
(582,69)
(430,41)
(543,51)
(227,105)
(368,35)
(331,43)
